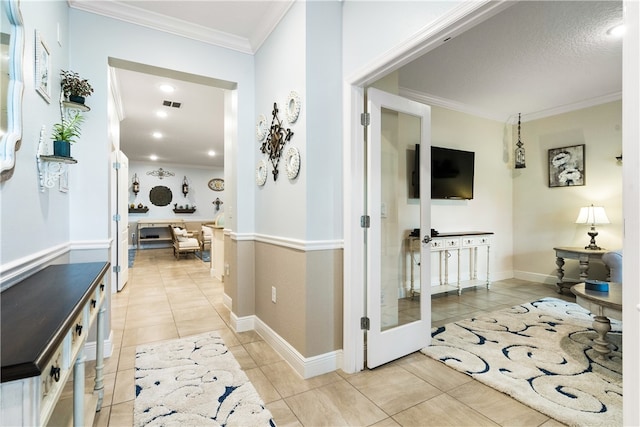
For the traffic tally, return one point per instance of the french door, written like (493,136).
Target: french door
(399,313)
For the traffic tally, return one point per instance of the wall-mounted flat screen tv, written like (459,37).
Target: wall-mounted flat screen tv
(451,173)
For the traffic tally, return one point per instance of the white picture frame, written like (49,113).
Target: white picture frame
(42,68)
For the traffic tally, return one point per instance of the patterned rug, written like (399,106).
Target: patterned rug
(194,381)
(132,257)
(540,354)
(205,256)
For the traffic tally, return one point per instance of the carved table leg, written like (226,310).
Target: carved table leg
(602,325)
(559,273)
(78,390)
(584,268)
(99,380)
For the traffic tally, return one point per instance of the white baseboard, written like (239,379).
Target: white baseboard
(537,277)
(226,301)
(242,324)
(90,348)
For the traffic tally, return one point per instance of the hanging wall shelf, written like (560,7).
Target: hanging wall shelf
(50,168)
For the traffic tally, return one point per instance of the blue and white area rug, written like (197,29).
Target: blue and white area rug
(194,381)
(540,354)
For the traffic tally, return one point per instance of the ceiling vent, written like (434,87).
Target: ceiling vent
(171,104)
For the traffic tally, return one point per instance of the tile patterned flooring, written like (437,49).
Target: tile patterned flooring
(167,299)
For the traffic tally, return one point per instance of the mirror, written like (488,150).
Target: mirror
(160,195)
(11,85)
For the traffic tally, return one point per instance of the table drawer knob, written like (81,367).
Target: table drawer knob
(102,286)
(55,373)
(79,329)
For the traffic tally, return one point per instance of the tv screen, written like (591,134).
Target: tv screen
(451,173)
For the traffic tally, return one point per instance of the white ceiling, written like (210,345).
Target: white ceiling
(536,57)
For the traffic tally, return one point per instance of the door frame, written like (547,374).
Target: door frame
(457,21)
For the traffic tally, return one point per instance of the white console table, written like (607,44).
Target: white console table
(156,230)
(448,244)
(46,319)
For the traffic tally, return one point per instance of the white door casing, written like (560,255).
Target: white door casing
(122,191)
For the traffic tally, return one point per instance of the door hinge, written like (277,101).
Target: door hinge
(364,323)
(365,221)
(116,165)
(117,217)
(116,269)
(365,119)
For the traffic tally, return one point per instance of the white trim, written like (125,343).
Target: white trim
(18,269)
(307,367)
(536,277)
(90,244)
(242,324)
(227,301)
(90,348)
(433,100)
(302,245)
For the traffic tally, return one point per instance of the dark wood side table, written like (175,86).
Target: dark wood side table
(603,305)
(584,256)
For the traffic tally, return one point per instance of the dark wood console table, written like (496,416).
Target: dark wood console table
(45,322)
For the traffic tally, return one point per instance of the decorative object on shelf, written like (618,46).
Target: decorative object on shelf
(160,195)
(292,162)
(139,205)
(139,210)
(216,184)
(293,106)
(520,163)
(185,186)
(262,128)
(65,133)
(593,215)
(566,166)
(277,138)
(217,202)
(12,84)
(51,169)
(160,173)
(136,185)
(74,87)
(43,68)
(261,172)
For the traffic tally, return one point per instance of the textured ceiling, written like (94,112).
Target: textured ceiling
(535,57)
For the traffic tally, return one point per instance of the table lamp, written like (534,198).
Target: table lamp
(592,215)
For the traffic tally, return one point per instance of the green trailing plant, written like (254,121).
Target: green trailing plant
(69,129)
(74,85)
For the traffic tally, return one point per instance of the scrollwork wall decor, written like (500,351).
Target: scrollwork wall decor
(160,173)
(276,139)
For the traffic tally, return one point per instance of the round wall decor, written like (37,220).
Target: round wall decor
(160,195)
(292,162)
(216,184)
(262,127)
(293,106)
(261,173)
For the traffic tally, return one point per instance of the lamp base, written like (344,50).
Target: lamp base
(592,244)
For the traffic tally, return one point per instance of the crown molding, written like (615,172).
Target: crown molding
(138,16)
(432,100)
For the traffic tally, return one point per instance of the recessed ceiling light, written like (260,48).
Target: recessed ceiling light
(161,113)
(211,153)
(153,157)
(157,135)
(167,88)
(616,31)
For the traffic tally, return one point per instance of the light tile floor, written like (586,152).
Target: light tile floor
(166,299)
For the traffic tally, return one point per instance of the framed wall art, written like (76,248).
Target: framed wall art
(566,166)
(43,68)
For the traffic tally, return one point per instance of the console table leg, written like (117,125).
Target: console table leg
(78,390)
(584,268)
(559,273)
(99,381)
(602,325)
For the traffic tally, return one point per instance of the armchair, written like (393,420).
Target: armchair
(613,261)
(182,242)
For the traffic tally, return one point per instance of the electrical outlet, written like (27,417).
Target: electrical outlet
(273,294)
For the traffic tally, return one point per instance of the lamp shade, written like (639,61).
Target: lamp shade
(592,215)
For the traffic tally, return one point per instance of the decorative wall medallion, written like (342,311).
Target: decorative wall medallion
(262,128)
(293,106)
(261,173)
(160,173)
(160,195)
(276,139)
(216,184)
(292,162)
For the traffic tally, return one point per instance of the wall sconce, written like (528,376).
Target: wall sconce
(519,150)
(592,215)
(136,185)
(185,186)
(217,202)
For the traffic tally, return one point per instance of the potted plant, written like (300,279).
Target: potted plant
(74,87)
(65,133)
